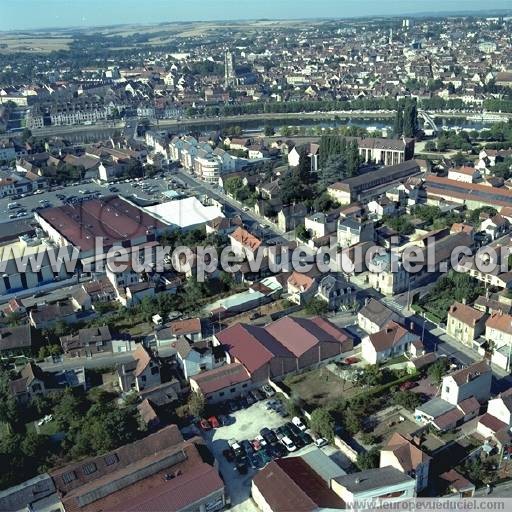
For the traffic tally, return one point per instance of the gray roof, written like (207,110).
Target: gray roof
(20,496)
(323,465)
(372,479)
(435,407)
(377,312)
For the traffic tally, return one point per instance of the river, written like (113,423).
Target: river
(93,134)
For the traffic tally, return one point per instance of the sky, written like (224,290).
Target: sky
(36,14)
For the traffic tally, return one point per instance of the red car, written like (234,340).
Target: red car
(204,424)
(408,385)
(351,360)
(214,422)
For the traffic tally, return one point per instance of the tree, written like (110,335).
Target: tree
(9,411)
(316,306)
(437,370)
(430,146)
(269,131)
(369,459)
(26,135)
(406,399)
(322,423)
(196,404)
(302,233)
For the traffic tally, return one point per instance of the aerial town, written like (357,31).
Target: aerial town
(256,265)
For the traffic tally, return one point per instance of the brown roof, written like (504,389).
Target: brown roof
(465,314)
(183,327)
(448,419)
(112,218)
(469,405)
(492,423)
(472,371)
(193,485)
(291,484)
(457,481)
(13,338)
(220,378)
(300,281)
(72,481)
(389,336)
(246,239)
(407,453)
(500,322)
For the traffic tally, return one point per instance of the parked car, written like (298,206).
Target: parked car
(247,446)
(408,385)
(241,467)
(268,435)
(258,395)
(288,444)
(298,423)
(320,441)
(268,390)
(306,438)
(204,424)
(229,454)
(351,360)
(214,422)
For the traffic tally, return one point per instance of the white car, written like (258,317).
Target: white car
(321,442)
(288,443)
(298,423)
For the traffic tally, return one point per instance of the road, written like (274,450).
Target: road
(217,193)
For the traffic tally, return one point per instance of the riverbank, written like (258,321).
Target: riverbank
(261,119)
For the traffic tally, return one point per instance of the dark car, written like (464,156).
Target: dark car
(229,454)
(297,441)
(269,436)
(242,467)
(306,438)
(258,395)
(277,450)
(247,447)
(293,428)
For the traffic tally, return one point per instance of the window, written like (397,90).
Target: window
(232,390)
(154,370)
(89,469)
(244,385)
(221,393)
(111,459)
(68,477)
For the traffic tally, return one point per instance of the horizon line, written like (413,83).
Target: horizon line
(422,14)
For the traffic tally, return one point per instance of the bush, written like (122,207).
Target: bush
(369,459)
(322,423)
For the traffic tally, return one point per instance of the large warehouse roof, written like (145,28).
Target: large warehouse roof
(184,213)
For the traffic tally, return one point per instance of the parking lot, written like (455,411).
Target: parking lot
(153,189)
(246,424)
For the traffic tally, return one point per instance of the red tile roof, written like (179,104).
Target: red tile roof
(220,378)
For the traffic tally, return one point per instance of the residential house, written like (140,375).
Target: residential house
(464,174)
(321,224)
(465,323)
(291,216)
(336,291)
(243,242)
(374,316)
(474,380)
(89,342)
(220,384)
(140,373)
(403,454)
(496,226)
(191,329)
(301,287)
(352,231)
(392,341)
(31,383)
(498,416)
(498,331)
(194,358)
(16,341)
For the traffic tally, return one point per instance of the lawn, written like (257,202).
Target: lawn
(320,387)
